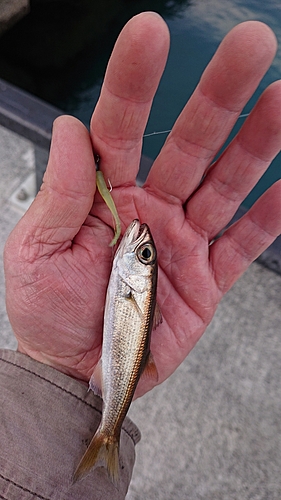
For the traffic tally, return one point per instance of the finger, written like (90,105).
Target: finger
(66,196)
(240,167)
(206,121)
(131,80)
(245,240)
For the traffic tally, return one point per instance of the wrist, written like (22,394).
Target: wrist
(46,360)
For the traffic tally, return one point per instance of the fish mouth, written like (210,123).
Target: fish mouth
(142,230)
(133,231)
(135,234)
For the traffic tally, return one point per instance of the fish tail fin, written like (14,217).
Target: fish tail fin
(102,447)
(112,459)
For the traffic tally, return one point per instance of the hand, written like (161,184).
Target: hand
(57,259)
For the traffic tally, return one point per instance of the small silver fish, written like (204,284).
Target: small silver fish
(130,310)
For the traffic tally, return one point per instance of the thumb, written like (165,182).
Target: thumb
(66,195)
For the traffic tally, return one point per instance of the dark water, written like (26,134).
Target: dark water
(197,27)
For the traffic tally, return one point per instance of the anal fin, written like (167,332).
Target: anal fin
(95,382)
(150,369)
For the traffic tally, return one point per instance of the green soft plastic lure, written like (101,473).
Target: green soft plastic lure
(106,196)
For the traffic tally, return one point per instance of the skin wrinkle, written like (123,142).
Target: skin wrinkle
(207,116)
(57,185)
(178,142)
(221,280)
(161,192)
(166,317)
(197,229)
(87,276)
(128,123)
(50,236)
(40,236)
(170,275)
(83,362)
(62,351)
(50,189)
(122,98)
(61,155)
(226,191)
(237,247)
(217,105)
(189,254)
(182,337)
(72,296)
(259,226)
(234,166)
(102,128)
(126,145)
(92,259)
(115,150)
(251,153)
(127,201)
(34,249)
(189,149)
(269,135)
(104,144)
(155,192)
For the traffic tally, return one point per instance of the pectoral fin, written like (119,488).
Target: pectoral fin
(157,318)
(132,299)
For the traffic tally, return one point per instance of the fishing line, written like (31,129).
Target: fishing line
(157,133)
(167,131)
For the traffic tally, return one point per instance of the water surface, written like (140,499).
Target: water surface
(196,30)
(196,26)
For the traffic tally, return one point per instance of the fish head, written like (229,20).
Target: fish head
(136,257)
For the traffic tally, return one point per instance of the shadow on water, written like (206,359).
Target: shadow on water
(62,46)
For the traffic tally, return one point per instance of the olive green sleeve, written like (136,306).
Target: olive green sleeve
(47,421)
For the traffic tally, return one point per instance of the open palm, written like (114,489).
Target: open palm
(57,259)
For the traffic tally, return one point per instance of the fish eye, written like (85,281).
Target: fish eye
(146,253)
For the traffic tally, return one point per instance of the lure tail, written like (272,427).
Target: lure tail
(105,194)
(102,447)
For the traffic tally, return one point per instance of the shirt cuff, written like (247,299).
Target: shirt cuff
(47,421)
